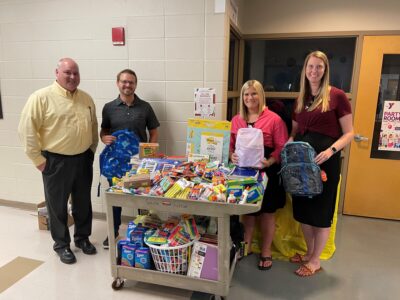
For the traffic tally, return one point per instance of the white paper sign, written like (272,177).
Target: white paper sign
(204,102)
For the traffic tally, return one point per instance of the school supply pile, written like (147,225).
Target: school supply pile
(192,180)
(170,245)
(165,245)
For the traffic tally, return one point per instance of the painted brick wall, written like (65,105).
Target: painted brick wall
(173,45)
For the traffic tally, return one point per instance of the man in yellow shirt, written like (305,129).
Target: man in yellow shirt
(58,128)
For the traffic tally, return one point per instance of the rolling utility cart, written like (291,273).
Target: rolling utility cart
(222,211)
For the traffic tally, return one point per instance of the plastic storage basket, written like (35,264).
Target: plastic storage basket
(171,259)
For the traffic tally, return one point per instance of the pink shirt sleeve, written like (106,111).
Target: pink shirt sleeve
(280,137)
(236,124)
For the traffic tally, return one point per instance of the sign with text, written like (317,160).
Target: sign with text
(204,102)
(389,136)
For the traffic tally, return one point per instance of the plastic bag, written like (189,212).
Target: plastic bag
(250,147)
(288,239)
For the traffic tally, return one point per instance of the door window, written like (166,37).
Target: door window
(386,136)
(278,63)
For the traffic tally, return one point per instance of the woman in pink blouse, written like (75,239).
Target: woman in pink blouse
(254,113)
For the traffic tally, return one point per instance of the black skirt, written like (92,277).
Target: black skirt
(274,194)
(318,211)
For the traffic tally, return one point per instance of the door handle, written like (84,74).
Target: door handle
(359,138)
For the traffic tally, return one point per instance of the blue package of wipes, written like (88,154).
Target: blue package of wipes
(142,258)
(131,227)
(137,236)
(128,255)
(120,244)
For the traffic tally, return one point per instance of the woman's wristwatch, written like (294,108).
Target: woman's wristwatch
(333,149)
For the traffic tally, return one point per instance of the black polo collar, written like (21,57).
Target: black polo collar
(118,101)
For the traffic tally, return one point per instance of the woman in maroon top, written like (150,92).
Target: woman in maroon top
(322,117)
(254,113)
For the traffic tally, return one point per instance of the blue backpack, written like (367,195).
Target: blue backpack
(115,158)
(301,176)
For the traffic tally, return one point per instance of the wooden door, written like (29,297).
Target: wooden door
(373,178)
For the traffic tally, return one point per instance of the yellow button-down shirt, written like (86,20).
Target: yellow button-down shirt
(58,121)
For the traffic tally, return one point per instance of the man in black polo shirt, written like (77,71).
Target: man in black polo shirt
(130,112)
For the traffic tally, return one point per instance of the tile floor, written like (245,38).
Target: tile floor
(366,265)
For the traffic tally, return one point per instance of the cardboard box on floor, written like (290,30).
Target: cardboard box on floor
(43,221)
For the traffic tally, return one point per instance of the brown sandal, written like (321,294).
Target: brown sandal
(298,259)
(306,271)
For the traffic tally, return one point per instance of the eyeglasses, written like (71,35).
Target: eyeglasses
(127,82)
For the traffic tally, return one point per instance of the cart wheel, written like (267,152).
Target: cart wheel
(117,284)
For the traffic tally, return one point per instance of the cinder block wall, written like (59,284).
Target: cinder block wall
(173,45)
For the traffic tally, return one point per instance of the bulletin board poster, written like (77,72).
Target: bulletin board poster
(209,137)
(389,136)
(204,103)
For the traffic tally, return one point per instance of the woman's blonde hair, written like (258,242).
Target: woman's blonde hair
(322,96)
(261,96)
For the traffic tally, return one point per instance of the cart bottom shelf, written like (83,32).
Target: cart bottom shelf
(167,279)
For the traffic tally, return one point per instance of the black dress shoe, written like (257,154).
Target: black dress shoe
(86,246)
(66,255)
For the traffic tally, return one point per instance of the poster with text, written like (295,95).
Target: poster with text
(204,102)
(209,137)
(389,137)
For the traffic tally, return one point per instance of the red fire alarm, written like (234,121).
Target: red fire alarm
(118,36)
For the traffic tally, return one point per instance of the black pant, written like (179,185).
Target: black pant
(66,175)
(117,211)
